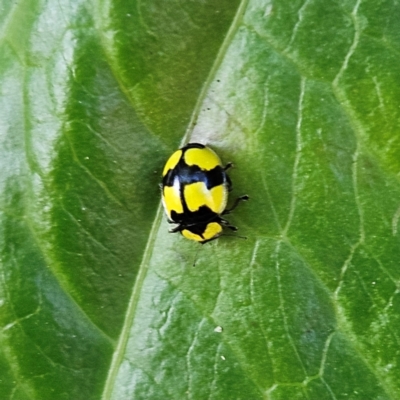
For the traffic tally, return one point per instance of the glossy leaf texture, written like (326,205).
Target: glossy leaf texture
(98,301)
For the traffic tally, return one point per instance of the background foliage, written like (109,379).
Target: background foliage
(97,301)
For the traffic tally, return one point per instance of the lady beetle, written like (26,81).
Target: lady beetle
(195,189)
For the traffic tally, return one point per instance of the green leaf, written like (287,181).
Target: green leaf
(98,301)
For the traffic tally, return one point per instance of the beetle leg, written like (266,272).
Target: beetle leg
(176,229)
(227,166)
(226,224)
(235,204)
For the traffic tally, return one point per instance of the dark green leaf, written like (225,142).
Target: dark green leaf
(98,301)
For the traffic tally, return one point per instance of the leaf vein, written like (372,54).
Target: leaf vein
(300,17)
(283,309)
(299,148)
(357,33)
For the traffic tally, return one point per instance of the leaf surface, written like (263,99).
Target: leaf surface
(97,300)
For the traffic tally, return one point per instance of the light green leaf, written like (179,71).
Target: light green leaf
(98,301)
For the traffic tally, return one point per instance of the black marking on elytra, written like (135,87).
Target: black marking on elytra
(192,174)
(189,218)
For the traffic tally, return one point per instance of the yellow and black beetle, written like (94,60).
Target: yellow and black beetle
(195,189)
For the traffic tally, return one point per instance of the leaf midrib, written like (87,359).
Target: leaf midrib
(134,300)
